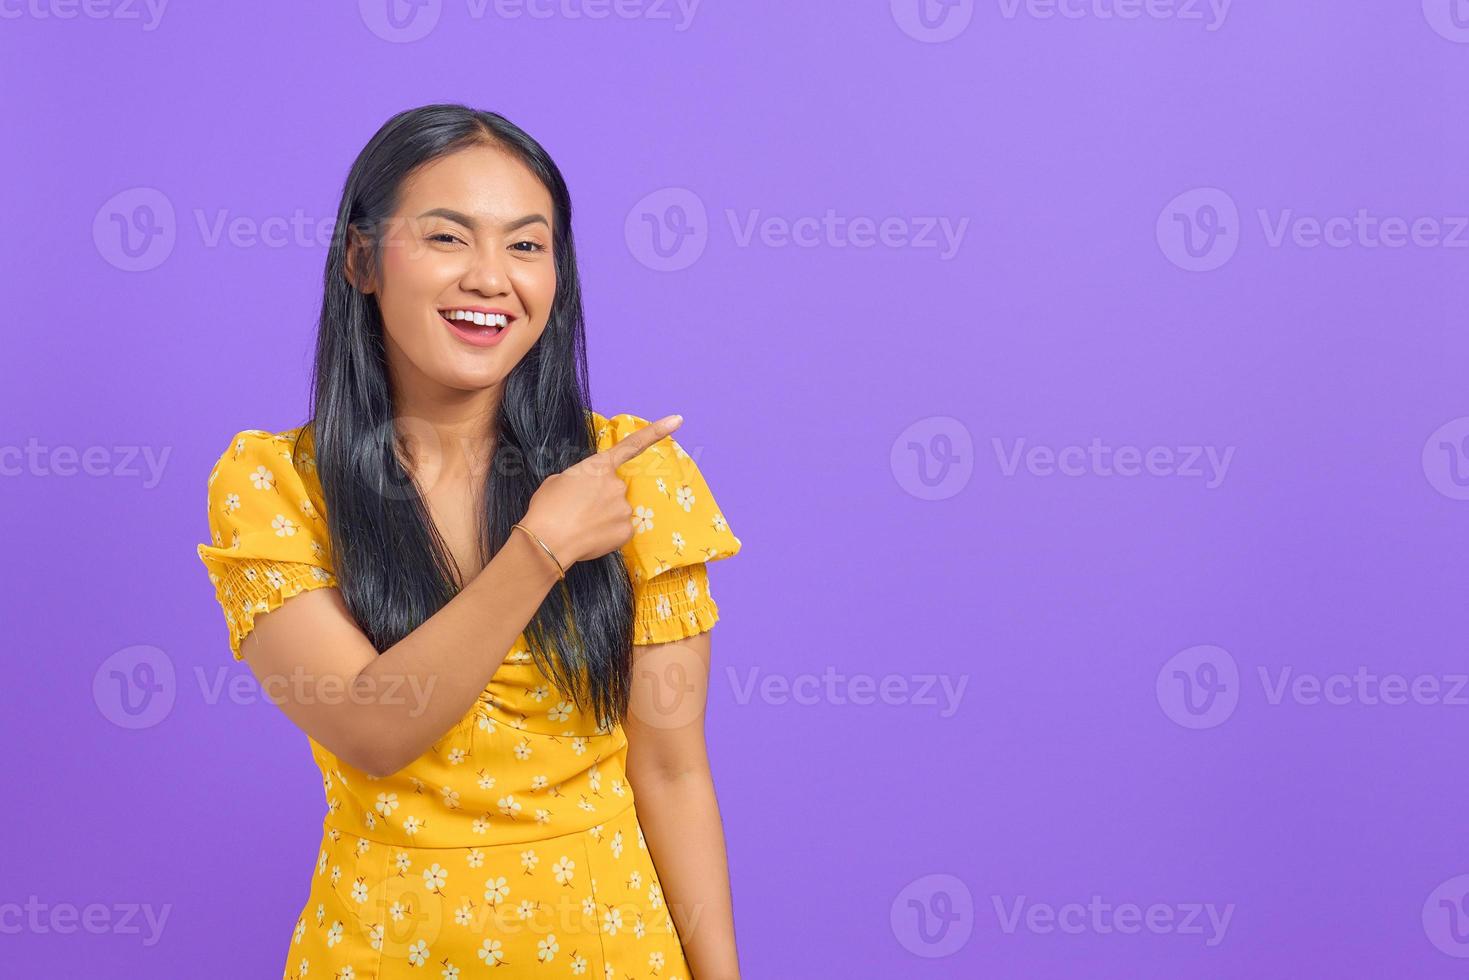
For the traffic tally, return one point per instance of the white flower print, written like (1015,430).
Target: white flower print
(719,524)
(538,782)
(642,519)
(457,756)
(262,478)
(475,857)
(508,805)
(434,877)
(411,825)
(579,745)
(480,825)
(496,890)
(526,909)
(486,781)
(612,920)
(418,953)
(685,498)
(678,543)
(492,952)
(546,948)
(231,502)
(638,929)
(616,844)
(560,712)
(588,906)
(543,816)
(635,880)
(463,915)
(522,750)
(402,862)
(578,964)
(300,930)
(662,488)
(528,860)
(540,693)
(359,891)
(564,869)
(284,526)
(451,797)
(336,874)
(386,803)
(334,935)
(375,935)
(655,960)
(451,972)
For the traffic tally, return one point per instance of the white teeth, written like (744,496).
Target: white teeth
(478,319)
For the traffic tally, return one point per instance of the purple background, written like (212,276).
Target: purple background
(1073,765)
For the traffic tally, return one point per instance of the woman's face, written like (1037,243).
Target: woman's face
(472,232)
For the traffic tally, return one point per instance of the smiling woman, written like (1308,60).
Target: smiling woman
(456,521)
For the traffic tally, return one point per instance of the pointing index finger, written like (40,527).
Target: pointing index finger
(634,443)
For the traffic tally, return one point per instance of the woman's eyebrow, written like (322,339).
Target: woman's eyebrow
(473,223)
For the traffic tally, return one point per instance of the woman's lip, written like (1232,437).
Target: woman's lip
(476,336)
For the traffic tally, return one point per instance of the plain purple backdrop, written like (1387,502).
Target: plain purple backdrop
(1142,197)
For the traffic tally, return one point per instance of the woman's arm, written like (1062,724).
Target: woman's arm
(379,713)
(673,789)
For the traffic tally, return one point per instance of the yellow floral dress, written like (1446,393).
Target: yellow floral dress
(512,846)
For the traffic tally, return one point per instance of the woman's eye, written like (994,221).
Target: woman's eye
(534,246)
(443,235)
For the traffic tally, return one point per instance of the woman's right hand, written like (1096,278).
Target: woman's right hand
(582,512)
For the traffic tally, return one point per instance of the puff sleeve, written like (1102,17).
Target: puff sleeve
(268,537)
(678,528)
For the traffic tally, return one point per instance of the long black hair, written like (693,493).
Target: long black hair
(391,564)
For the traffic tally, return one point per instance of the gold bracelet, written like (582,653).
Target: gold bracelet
(559,570)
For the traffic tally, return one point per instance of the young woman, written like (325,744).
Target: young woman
(485,604)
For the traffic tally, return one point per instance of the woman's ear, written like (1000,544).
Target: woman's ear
(357,262)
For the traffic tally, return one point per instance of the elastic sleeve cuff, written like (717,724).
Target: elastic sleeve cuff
(673,605)
(250,587)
